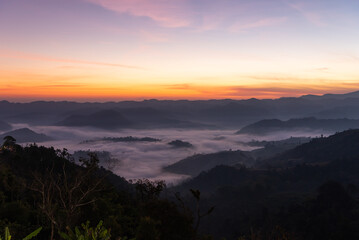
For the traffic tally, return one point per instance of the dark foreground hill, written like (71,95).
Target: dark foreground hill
(42,187)
(322,150)
(317,199)
(301,124)
(304,201)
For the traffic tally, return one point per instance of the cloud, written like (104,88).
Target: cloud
(321,69)
(200,16)
(268,88)
(36,57)
(266,22)
(313,17)
(167,13)
(179,86)
(143,159)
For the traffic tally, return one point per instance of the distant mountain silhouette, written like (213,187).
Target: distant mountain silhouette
(128,118)
(153,113)
(236,112)
(105,119)
(26,135)
(4,126)
(332,96)
(347,111)
(196,164)
(275,125)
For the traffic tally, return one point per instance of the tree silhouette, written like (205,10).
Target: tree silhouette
(9,143)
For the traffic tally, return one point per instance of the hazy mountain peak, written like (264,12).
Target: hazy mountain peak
(26,135)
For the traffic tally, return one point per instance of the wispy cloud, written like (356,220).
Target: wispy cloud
(265,90)
(168,13)
(201,15)
(36,57)
(266,22)
(313,17)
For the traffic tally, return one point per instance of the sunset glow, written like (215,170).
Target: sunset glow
(111,50)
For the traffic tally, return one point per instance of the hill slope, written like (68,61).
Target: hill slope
(196,164)
(105,119)
(4,126)
(319,150)
(26,135)
(301,124)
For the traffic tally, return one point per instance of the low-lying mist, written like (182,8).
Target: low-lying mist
(139,159)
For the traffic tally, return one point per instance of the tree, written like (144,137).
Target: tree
(9,143)
(147,230)
(198,215)
(66,190)
(149,189)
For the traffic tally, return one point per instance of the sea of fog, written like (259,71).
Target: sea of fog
(134,160)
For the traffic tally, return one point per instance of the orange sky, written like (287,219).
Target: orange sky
(107,50)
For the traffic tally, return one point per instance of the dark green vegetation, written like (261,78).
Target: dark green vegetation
(43,187)
(309,192)
(124,139)
(290,142)
(105,158)
(301,124)
(7,235)
(315,197)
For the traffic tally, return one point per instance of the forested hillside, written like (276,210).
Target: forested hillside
(42,187)
(314,199)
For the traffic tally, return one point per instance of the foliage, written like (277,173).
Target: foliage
(7,235)
(147,230)
(149,189)
(87,233)
(43,186)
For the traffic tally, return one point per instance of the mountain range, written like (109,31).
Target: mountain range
(220,114)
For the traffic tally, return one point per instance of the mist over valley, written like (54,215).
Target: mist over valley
(145,138)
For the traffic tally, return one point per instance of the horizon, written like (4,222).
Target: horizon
(108,50)
(160,99)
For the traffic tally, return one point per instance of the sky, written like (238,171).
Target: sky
(112,50)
